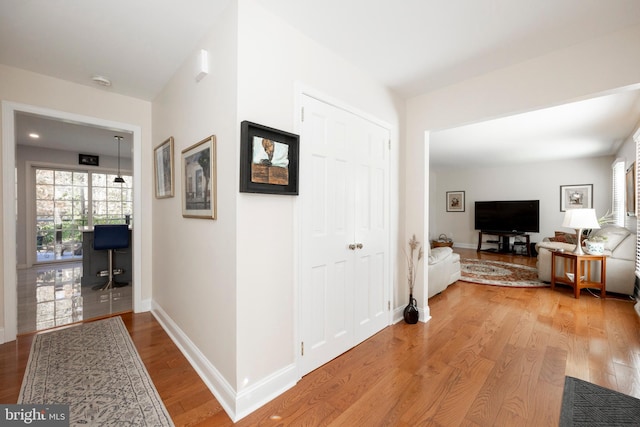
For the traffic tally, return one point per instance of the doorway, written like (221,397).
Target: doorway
(10,193)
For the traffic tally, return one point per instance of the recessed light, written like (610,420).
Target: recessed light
(34,136)
(101,80)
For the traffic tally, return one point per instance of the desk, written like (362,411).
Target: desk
(574,263)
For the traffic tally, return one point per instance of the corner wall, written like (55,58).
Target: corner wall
(275,63)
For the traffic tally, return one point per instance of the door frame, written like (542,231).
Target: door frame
(10,279)
(302,90)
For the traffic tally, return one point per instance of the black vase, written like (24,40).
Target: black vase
(411,313)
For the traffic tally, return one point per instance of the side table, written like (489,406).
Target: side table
(574,263)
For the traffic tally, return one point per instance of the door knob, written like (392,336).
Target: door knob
(352,246)
(359,245)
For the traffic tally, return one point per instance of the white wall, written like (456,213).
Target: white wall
(23,87)
(578,72)
(530,181)
(194,260)
(228,287)
(274,59)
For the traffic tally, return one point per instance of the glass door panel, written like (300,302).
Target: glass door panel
(61,207)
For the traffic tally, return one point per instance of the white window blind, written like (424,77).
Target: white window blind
(636,138)
(618,191)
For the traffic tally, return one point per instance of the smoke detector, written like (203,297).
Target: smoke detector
(101,80)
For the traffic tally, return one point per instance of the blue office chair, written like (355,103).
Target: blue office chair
(110,238)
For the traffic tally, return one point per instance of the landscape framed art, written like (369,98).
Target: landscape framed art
(163,169)
(199,179)
(455,201)
(268,160)
(576,196)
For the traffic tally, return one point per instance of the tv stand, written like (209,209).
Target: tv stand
(503,243)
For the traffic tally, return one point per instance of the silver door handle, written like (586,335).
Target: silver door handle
(352,247)
(359,245)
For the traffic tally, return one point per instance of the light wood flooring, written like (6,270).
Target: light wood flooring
(490,356)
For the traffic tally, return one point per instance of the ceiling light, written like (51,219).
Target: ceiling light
(101,80)
(34,136)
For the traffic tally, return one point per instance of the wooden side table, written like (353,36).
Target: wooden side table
(574,263)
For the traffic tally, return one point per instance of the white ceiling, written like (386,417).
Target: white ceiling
(412,46)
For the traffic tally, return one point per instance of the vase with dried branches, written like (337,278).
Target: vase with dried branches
(414,257)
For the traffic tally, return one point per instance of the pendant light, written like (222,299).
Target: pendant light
(118,179)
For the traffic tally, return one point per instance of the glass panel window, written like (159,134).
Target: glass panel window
(111,201)
(66,200)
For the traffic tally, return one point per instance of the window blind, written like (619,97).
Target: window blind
(636,138)
(618,191)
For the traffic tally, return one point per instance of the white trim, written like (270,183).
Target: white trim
(10,274)
(265,390)
(236,405)
(9,197)
(221,389)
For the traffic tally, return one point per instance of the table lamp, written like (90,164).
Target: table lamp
(580,219)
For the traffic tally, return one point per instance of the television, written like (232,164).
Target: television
(508,216)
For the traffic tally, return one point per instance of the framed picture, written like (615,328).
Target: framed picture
(576,196)
(163,168)
(455,201)
(199,180)
(268,160)
(630,180)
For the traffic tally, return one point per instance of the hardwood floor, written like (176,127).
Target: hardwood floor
(490,356)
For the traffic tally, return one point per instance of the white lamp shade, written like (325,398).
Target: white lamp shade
(580,218)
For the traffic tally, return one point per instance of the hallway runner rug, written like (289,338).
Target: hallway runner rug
(95,369)
(587,404)
(500,273)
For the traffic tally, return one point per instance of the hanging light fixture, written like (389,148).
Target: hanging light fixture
(118,179)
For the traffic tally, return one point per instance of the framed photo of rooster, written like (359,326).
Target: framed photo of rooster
(268,160)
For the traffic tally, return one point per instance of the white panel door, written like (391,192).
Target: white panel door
(344,226)
(371,228)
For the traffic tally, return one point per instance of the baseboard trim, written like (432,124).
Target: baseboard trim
(145,305)
(1,335)
(252,398)
(424,314)
(213,379)
(236,405)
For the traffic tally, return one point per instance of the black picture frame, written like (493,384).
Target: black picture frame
(268,160)
(88,160)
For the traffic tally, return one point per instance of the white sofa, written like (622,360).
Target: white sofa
(444,269)
(620,248)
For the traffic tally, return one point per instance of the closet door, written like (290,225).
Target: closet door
(344,232)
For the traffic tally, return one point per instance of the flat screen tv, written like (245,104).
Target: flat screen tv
(508,216)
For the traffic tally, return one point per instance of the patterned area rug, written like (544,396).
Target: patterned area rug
(587,404)
(499,273)
(95,369)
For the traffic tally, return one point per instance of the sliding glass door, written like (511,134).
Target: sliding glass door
(67,200)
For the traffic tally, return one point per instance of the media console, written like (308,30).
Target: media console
(504,241)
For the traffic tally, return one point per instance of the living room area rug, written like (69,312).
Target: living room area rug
(96,370)
(587,404)
(499,273)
